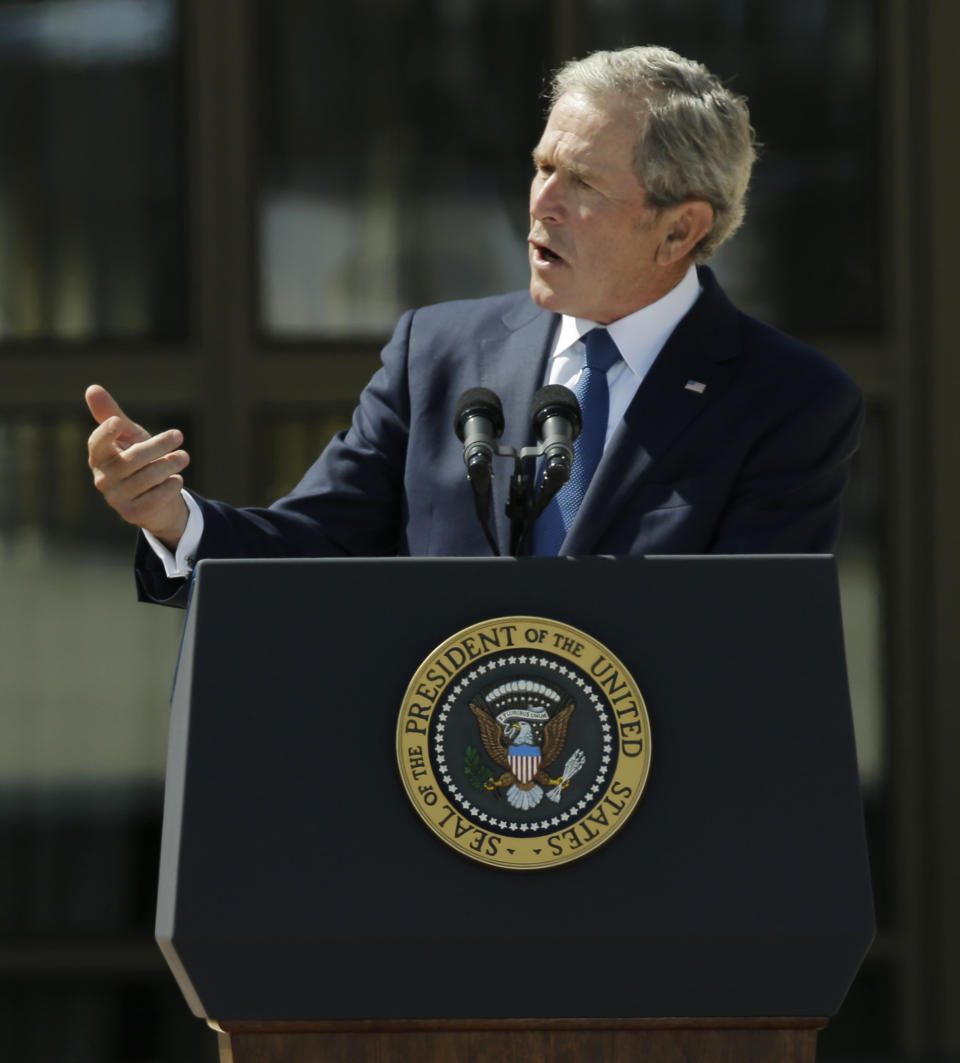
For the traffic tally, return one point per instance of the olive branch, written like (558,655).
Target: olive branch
(476,771)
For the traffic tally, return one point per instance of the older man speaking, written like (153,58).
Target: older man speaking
(704,429)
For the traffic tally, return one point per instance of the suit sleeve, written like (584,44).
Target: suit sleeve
(349,503)
(788,495)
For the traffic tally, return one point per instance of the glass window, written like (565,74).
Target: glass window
(861,561)
(289,443)
(85,679)
(102,1019)
(809,256)
(84,684)
(864,563)
(396,176)
(91,187)
(395,142)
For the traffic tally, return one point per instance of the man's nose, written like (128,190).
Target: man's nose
(545,200)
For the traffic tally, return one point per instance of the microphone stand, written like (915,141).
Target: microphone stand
(479,477)
(525,509)
(519,505)
(551,402)
(521,509)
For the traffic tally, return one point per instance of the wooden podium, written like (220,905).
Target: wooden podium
(308,914)
(560,1040)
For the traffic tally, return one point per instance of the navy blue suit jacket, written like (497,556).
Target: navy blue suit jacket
(755,463)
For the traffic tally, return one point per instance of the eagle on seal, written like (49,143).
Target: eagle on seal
(512,744)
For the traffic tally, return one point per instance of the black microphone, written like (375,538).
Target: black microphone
(556,419)
(478,424)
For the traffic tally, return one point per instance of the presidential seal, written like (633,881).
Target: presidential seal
(523,743)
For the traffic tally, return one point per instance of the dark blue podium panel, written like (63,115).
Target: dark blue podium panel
(298,883)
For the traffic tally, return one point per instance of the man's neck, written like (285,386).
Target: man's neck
(665,283)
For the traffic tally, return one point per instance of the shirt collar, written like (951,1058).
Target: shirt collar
(639,336)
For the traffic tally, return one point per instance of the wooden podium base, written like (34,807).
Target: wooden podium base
(775,1040)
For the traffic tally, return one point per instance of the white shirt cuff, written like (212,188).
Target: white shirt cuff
(179,565)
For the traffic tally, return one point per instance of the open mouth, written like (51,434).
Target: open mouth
(544,254)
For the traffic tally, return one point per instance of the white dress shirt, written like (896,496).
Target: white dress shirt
(639,338)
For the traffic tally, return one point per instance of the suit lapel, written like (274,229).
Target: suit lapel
(702,350)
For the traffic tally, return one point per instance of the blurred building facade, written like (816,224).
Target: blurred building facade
(218,209)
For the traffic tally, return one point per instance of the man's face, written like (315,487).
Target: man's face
(593,240)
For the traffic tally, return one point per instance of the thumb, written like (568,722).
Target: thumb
(103,406)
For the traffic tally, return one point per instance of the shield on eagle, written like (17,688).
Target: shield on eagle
(524,762)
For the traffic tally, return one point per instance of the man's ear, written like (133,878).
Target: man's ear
(688,224)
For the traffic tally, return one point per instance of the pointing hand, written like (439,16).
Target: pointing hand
(138,474)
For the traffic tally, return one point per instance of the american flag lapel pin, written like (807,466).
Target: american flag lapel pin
(695,385)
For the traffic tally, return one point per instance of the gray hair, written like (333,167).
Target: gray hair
(697,141)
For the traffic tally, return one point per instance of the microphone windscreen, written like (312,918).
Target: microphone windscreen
(479,402)
(555,400)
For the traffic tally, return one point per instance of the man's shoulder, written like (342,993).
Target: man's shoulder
(510,310)
(767,354)
(501,302)
(778,355)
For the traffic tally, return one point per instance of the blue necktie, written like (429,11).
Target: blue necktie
(594,398)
